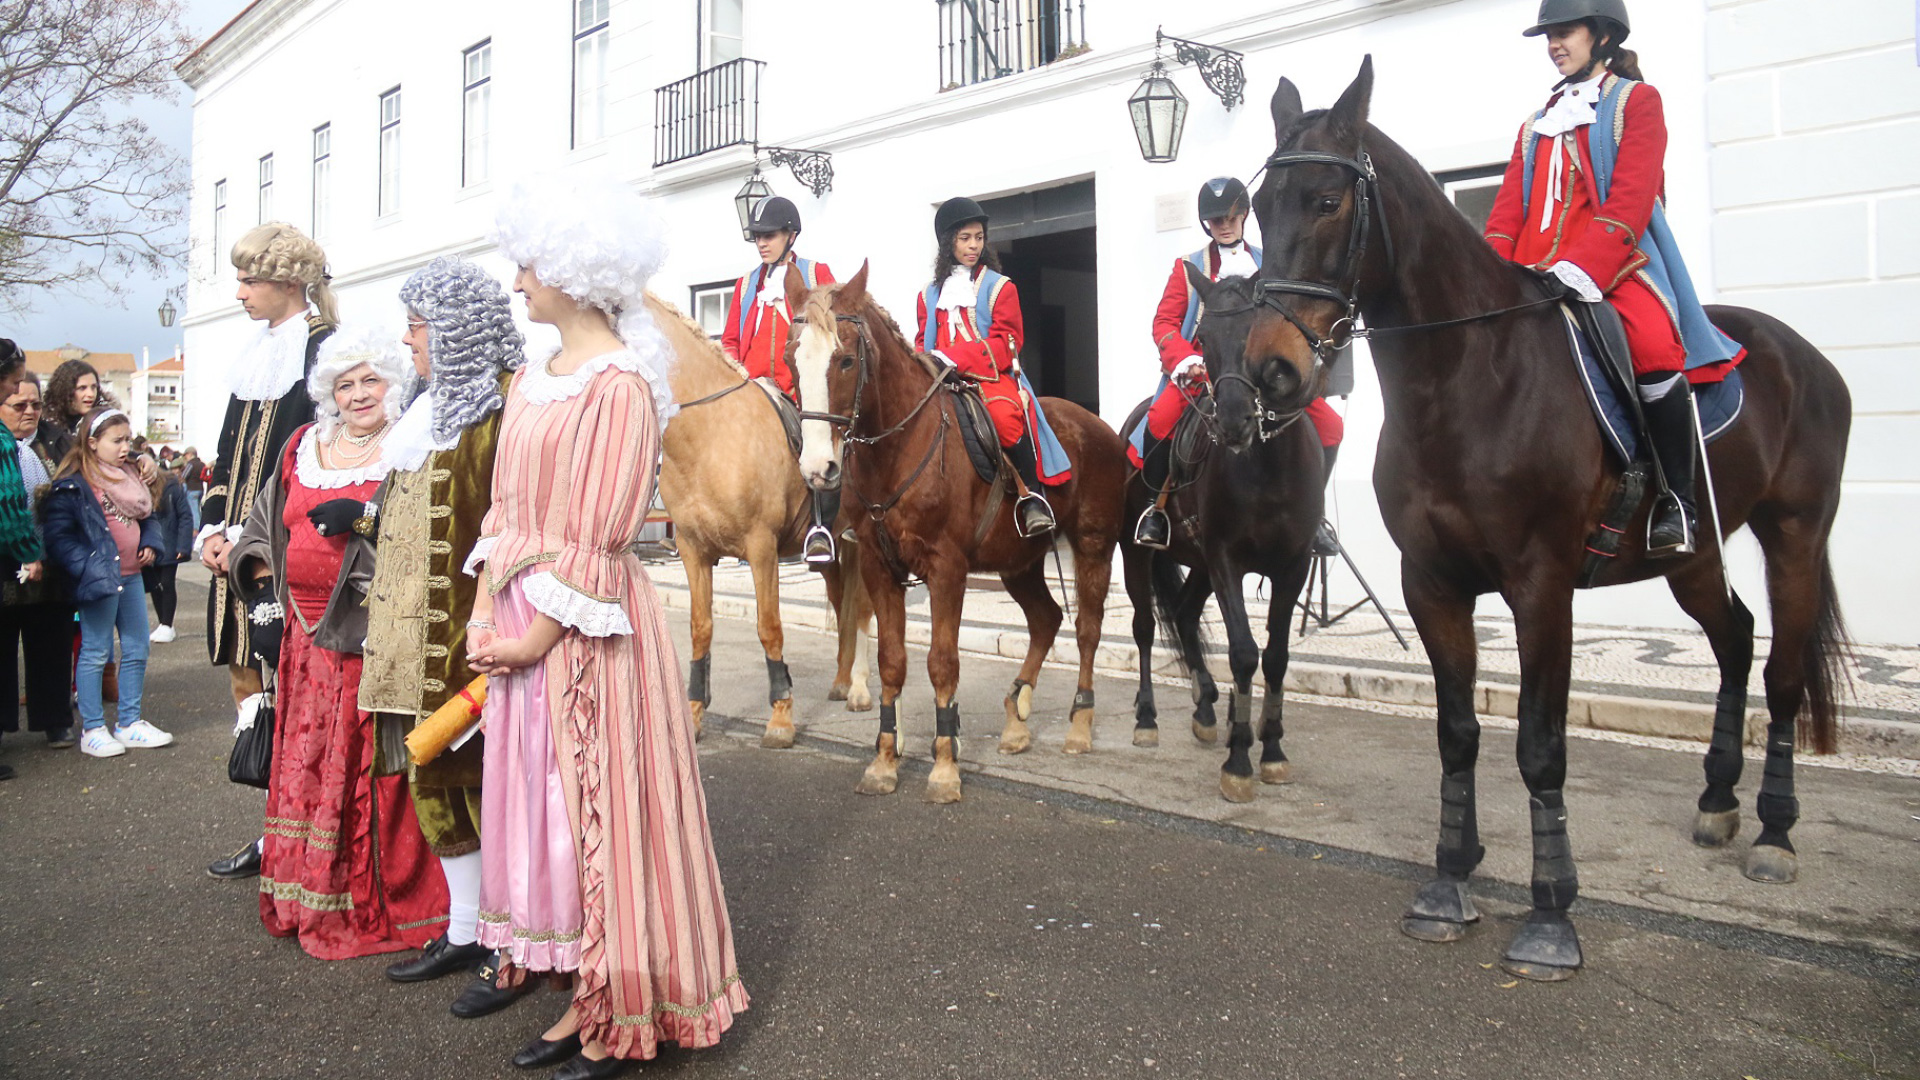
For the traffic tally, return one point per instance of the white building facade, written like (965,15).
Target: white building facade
(391,129)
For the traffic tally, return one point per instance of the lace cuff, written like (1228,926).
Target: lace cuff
(569,607)
(1576,279)
(482,548)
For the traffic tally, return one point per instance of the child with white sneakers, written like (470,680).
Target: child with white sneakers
(100,532)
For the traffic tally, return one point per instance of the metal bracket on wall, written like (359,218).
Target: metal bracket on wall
(814,168)
(1219,68)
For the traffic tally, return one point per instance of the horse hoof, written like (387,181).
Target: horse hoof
(1276,772)
(1715,830)
(859,699)
(1545,950)
(1206,733)
(878,781)
(1080,734)
(777,737)
(1236,789)
(1015,739)
(699,711)
(1771,865)
(1146,736)
(838,693)
(1441,912)
(943,785)
(1437,931)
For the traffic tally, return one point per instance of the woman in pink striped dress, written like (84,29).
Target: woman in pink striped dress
(598,860)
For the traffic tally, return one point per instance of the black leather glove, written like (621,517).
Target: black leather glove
(266,622)
(335,517)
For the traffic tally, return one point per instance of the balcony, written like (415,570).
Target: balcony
(707,111)
(989,39)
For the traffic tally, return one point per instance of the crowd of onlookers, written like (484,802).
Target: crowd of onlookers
(94,522)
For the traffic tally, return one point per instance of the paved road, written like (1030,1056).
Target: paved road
(1027,932)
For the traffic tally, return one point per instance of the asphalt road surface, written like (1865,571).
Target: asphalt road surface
(1025,932)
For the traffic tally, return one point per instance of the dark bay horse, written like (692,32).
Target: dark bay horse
(883,425)
(1247,507)
(1491,474)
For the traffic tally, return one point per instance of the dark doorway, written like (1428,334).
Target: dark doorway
(1045,240)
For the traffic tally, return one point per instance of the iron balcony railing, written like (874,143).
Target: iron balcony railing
(988,39)
(706,111)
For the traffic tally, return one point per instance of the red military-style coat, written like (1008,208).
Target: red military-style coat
(988,359)
(762,350)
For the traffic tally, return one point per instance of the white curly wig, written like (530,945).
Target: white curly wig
(593,237)
(347,349)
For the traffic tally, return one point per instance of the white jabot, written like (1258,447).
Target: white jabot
(406,447)
(773,291)
(273,360)
(1571,110)
(957,295)
(1236,261)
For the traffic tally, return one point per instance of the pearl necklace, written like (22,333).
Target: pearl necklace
(370,442)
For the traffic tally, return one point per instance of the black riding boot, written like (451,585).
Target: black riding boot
(1032,514)
(818,551)
(1154,530)
(1325,543)
(1671,427)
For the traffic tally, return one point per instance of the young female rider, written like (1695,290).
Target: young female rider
(1582,201)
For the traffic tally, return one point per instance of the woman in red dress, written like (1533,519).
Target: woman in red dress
(344,866)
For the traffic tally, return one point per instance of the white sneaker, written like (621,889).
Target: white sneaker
(161,634)
(97,743)
(141,735)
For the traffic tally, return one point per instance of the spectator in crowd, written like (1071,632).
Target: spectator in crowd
(193,477)
(72,392)
(171,506)
(20,555)
(100,531)
(34,615)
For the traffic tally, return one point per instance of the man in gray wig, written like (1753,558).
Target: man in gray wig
(426,519)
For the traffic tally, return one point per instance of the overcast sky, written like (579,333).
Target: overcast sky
(131,322)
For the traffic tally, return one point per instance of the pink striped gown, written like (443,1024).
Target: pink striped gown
(597,855)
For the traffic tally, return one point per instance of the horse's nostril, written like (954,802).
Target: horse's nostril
(831,474)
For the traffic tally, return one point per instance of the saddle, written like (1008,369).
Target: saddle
(783,408)
(976,430)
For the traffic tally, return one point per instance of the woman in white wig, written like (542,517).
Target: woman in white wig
(343,866)
(597,859)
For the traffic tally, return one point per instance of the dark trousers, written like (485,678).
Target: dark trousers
(160,586)
(45,632)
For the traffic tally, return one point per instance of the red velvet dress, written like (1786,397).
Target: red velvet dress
(344,865)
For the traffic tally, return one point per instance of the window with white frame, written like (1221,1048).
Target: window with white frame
(590,41)
(322,180)
(709,303)
(266,189)
(390,152)
(1473,190)
(219,223)
(722,31)
(476,112)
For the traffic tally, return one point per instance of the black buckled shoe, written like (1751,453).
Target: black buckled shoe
(440,958)
(1153,530)
(818,551)
(582,1067)
(541,1054)
(244,863)
(481,997)
(1034,514)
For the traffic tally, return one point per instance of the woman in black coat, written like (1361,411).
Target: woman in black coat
(171,510)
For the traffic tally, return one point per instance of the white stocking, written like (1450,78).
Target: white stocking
(463,892)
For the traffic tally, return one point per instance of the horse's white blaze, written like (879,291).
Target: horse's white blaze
(810,360)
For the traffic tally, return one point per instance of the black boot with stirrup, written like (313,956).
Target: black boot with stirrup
(1154,530)
(1670,426)
(1032,514)
(818,549)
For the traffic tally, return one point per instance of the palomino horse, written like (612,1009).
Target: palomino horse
(729,479)
(1491,474)
(1248,507)
(885,426)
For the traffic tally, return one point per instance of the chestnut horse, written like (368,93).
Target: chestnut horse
(882,423)
(1491,474)
(1241,509)
(729,479)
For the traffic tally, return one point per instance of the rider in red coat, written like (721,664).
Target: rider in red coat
(1223,206)
(1588,227)
(977,331)
(759,323)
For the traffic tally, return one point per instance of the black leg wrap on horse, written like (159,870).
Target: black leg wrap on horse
(946,720)
(1459,851)
(779,681)
(1083,699)
(1239,707)
(1724,761)
(697,681)
(1555,882)
(889,719)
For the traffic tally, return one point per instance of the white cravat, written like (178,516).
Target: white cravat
(411,438)
(1573,109)
(773,291)
(957,296)
(271,362)
(1236,261)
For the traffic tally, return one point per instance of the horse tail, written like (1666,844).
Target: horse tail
(1170,588)
(1823,668)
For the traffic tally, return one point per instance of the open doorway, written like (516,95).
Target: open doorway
(1045,240)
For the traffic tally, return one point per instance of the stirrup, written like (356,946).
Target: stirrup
(818,546)
(1689,530)
(1147,536)
(1026,504)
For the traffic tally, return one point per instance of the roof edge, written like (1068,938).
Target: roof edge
(232,40)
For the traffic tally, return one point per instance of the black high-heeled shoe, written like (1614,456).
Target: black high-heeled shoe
(582,1067)
(541,1054)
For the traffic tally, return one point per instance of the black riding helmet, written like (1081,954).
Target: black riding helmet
(956,212)
(1222,196)
(771,215)
(1555,12)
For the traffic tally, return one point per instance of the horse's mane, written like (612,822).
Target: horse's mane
(820,303)
(699,333)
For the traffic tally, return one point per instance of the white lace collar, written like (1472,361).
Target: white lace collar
(411,440)
(1236,260)
(306,463)
(1572,109)
(959,290)
(271,362)
(539,385)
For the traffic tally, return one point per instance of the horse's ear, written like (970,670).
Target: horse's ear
(1348,117)
(1197,281)
(796,289)
(1286,108)
(854,292)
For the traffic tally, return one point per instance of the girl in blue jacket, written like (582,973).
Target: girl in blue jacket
(100,532)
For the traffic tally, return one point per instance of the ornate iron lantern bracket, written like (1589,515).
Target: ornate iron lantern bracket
(814,168)
(1219,68)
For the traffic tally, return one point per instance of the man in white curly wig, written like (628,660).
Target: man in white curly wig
(283,285)
(465,346)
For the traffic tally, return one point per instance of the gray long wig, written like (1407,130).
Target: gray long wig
(471,339)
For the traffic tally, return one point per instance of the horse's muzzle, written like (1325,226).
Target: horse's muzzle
(826,477)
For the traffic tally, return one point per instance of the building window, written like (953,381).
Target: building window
(722,31)
(219,223)
(476,112)
(590,38)
(390,151)
(709,303)
(1473,190)
(266,189)
(322,175)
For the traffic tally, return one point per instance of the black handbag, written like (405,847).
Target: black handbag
(251,762)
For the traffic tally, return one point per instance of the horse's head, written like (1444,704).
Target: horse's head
(1250,358)
(827,353)
(1315,208)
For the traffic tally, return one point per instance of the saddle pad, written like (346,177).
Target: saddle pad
(1718,403)
(976,430)
(789,416)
